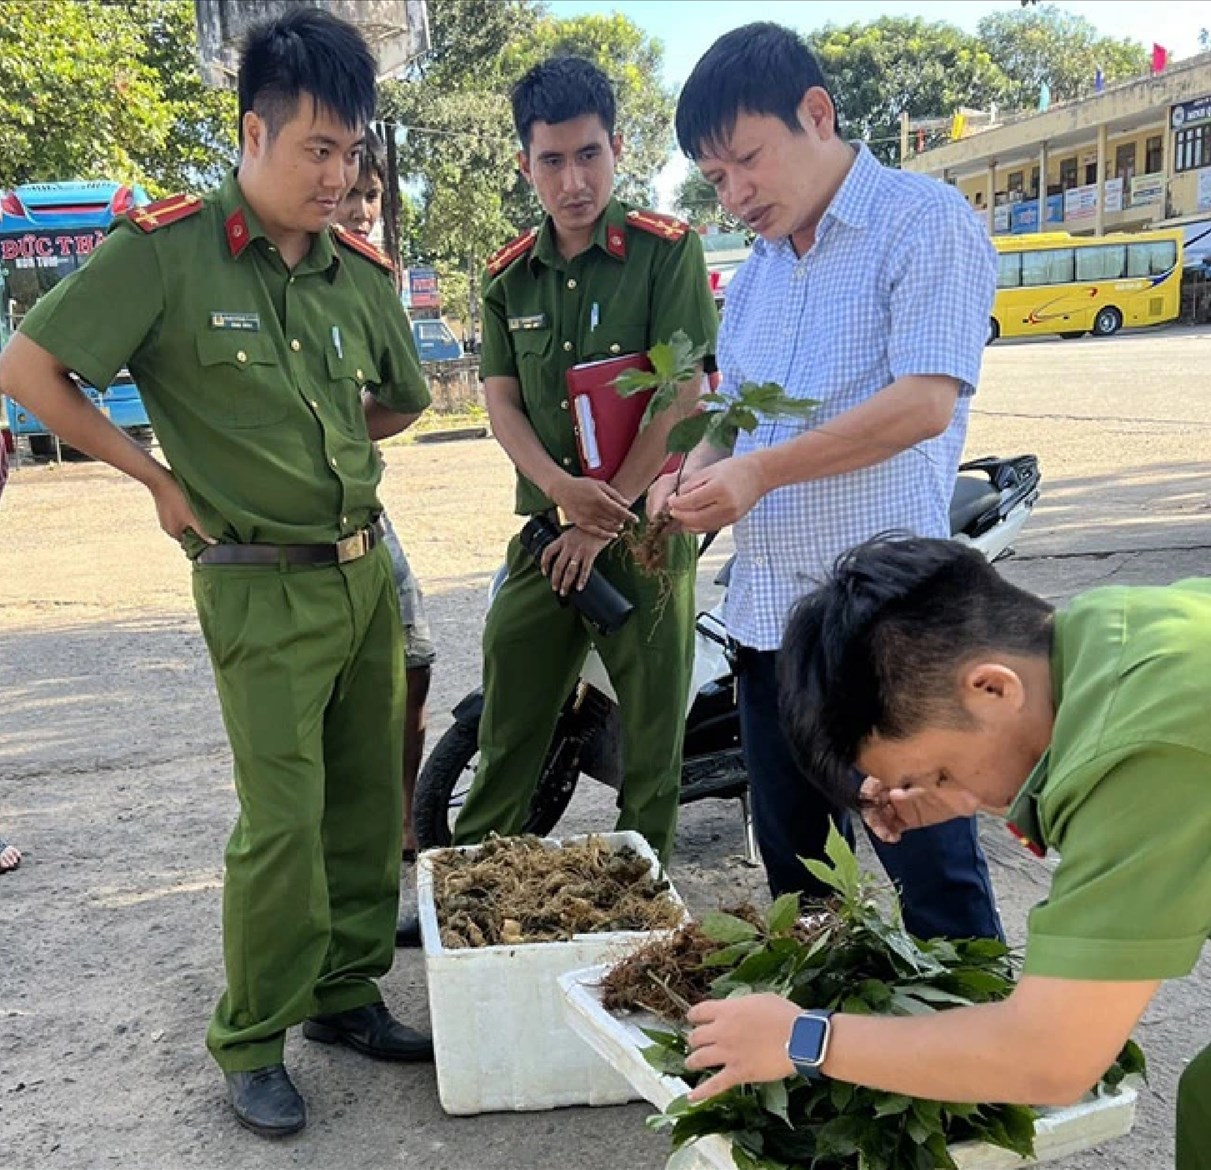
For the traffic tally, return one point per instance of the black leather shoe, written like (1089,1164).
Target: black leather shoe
(407,932)
(371,1030)
(266,1102)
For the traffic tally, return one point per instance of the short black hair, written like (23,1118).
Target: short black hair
(374,158)
(878,647)
(759,68)
(306,51)
(558,90)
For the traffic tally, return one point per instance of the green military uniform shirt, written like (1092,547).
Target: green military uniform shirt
(252,373)
(633,287)
(1124,792)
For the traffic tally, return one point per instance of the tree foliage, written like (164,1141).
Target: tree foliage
(883,68)
(1046,44)
(107,90)
(695,200)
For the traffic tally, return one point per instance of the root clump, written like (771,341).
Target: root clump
(515,890)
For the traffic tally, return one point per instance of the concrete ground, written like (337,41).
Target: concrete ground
(114,780)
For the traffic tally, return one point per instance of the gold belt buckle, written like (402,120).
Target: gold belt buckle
(352,547)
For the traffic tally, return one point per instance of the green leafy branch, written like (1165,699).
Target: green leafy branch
(851,955)
(719,419)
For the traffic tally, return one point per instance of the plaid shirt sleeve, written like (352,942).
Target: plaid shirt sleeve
(944,279)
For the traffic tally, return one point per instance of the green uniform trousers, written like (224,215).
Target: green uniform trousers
(1194,1114)
(309,668)
(534,649)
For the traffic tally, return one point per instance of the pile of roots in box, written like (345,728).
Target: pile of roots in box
(517,890)
(671,973)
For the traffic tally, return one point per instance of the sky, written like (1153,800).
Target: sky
(687,28)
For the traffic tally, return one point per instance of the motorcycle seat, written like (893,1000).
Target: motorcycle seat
(973,496)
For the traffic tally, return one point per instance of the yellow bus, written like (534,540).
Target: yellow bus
(1053,282)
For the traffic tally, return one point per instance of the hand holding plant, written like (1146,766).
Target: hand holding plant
(718,419)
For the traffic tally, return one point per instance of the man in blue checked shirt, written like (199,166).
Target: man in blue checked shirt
(869,290)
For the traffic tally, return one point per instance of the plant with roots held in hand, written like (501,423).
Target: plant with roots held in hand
(718,419)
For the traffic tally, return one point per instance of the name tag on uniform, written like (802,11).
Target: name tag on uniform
(241,322)
(521,324)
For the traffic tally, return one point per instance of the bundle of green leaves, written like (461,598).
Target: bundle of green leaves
(718,419)
(856,957)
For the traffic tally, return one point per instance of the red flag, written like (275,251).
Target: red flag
(1160,57)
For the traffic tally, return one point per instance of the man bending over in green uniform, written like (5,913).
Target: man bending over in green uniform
(917,663)
(596,280)
(270,351)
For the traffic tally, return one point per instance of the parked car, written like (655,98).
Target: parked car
(435,341)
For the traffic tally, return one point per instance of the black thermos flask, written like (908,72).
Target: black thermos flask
(599,601)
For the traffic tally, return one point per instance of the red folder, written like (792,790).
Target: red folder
(605,422)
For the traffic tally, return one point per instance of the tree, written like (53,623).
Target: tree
(696,201)
(75,93)
(1046,44)
(106,90)
(899,64)
(634,62)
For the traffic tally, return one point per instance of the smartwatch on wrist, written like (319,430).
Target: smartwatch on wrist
(808,1044)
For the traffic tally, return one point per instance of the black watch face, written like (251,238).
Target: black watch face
(807,1040)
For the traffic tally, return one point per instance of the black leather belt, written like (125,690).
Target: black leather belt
(351,548)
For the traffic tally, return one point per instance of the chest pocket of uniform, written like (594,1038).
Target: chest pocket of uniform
(615,340)
(242,379)
(349,373)
(531,345)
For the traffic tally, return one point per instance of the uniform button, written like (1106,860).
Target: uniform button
(567,461)
(359,375)
(290,281)
(567,345)
(615,348)
(332,461)
(344,521)
(571,284)
(314,405)
(563,404)
(294,345)
(241,356)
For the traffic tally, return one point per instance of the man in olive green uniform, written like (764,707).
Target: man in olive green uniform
(270,351)
(917,663)
(596,280)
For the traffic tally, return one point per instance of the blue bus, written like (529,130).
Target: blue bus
(47,230)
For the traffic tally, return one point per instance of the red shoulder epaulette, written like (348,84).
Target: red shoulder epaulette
(362,246)
(164,211)
(667,227)
(501,260)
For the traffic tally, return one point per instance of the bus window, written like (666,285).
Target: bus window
(1050,266)
(1103,262)
(1151,259)
(1009,270)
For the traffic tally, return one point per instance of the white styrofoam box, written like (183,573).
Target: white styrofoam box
(1058,1132)
(500,1036)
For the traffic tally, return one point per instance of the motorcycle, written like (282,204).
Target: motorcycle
(993,499)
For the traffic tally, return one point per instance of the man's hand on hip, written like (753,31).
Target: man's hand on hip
(718,495)
(174,512)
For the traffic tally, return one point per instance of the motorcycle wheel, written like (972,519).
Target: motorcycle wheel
(443,782)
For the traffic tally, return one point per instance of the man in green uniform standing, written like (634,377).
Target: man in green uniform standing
(271,351)
(595,281)
(917,663)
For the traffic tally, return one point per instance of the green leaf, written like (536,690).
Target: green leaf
(845,863)
(892,1105)
(661,400)
(688,433)
(631,382)
(783,914)
(774,1099)
(665,1060)
(727,928)
(729,956)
